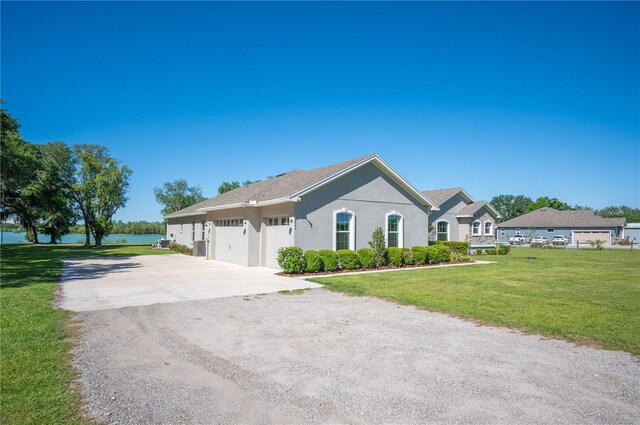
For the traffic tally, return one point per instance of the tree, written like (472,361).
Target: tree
(228,186)
(545,201)
(511,206)
(177,195)
(378,245)
(631,214)
(99,188)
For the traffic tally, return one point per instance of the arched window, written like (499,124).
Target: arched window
(488,228)
(344,236)
(475,228)
(394,230)
(442,229)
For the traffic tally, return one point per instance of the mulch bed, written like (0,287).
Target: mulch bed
(375,269)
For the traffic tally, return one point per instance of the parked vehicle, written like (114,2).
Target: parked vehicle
(560,240)
(540,240)
(517,240)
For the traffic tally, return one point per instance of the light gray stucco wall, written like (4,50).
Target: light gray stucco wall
(179,229)
(632,234)
(448,211)
(370,194)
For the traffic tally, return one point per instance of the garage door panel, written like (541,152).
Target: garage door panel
(276,237)
(583,236)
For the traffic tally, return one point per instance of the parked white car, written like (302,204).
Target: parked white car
(517,240)
(560,240)
(540,240)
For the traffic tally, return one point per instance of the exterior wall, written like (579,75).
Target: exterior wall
(542,231)
(448,211)
(369,194)
(179,229)
(483,240)
(632,234)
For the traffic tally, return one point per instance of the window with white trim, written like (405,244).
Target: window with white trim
(475,228)
(393,230)
(442,229)
(203,227)
(488,228)
(343,230)
(501,232)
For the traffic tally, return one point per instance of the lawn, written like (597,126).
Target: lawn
(588,297)
(35,372)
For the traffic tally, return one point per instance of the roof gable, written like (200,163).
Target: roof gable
(440,196)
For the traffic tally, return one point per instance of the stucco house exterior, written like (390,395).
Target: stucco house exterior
(332,207)
(578,226)
(462,218)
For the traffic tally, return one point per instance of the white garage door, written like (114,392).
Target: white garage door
(275,237)
(591,235)
(230,242)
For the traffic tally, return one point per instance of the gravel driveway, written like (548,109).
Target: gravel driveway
(324,357)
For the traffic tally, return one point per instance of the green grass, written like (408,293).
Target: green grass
(587,297)
(35,372)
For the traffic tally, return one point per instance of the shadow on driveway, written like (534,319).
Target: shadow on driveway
(80,269)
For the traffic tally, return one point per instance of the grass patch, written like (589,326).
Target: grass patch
(293,292)
(587,297)
(35,372)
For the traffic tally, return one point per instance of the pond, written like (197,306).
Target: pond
(18,237)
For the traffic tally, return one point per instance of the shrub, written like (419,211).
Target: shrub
(479,251)
(597,244)
(491,252)
(394,256)
(348,259)
(419,254)
(291,259)
(313,262)
(407,256)
(454,246)
(438,254)
(182,249)
(365,257)
(503,249)
(379,246)
(329,259)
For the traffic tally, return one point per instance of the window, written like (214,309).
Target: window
(235,222)
(344,230)
(475,228)
(517,231)
(278,221)
(551,230)
(392,230)
(501,232)
(442,228)
(488,228)
(193,231)
(203,224)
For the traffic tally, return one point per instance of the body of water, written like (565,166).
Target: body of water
(18,237)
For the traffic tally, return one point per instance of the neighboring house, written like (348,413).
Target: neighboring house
(333,207)
(578,226)
(462,218)
(632,232)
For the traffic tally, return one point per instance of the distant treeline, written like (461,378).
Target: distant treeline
(131,228)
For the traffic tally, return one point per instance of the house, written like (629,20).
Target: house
(462,218)
(332,207)
(577,226)
(632,232)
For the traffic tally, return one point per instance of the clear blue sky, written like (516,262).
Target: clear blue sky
(500,98)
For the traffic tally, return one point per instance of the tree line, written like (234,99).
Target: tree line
(512,206)
(130,228)
(49,187)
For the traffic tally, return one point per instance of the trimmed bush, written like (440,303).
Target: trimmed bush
(407,256)
(491,252)
(419,254)
(454,246)
(479,251)
(394,256)
(313,262)
(379,246)
(365,257)
(329,259)
(348,259)
(503,249)
(291,259)
(437,254)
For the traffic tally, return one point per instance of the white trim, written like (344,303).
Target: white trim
(352,228)
(590,231)
(384,167)
(484,228)
(400,228)
(479,228)
(448,229)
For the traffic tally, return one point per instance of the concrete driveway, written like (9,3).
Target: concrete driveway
(101,283)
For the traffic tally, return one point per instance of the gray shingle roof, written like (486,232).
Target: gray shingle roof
(278,187)
(440,195)
(550,217)
(471,208)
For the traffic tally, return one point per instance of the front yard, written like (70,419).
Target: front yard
(590,297)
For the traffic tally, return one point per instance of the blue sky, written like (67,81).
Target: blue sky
(500,98)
